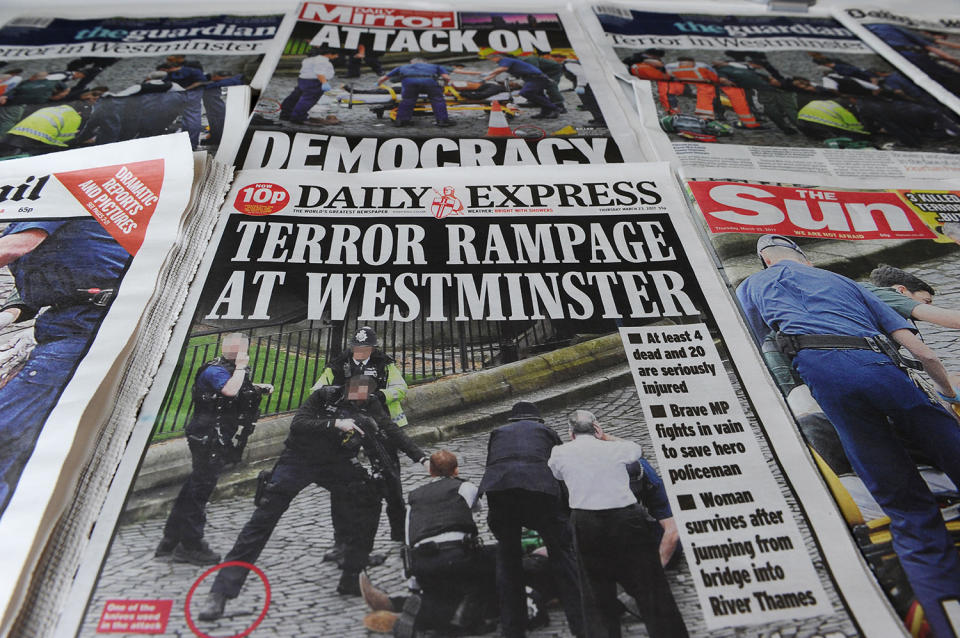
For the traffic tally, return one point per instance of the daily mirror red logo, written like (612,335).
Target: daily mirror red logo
(122,197)
(377,16)
(261,199)
(731,207)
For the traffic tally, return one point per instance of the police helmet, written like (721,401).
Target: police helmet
(365,336)
(769,241)
(525,411)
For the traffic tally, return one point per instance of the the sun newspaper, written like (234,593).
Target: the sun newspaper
(898,240)
(380,86)
(769,96)
(81,76)
(88,241)
(571,288)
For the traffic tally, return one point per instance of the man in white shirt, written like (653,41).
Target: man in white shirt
(616,539)
(316,71)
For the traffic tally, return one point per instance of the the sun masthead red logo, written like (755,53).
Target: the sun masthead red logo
(446,203)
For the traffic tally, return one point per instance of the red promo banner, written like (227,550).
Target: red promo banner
(731,207)
(122,197)
(134,617)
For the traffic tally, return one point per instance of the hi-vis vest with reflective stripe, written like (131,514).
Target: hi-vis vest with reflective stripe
(54,125)
(829,113)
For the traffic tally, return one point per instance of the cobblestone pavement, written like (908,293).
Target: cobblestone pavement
(303,598)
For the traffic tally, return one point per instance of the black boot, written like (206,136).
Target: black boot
(213,610)
(406,625)
(199,554)
(166,546)
(349,584)
(335,554)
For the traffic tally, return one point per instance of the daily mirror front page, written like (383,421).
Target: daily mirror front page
(380,86)
(472,300)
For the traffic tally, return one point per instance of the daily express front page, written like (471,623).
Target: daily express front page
(85,238)
(405,87)
(897,240)
(769,95)
(102,74)
(569,288)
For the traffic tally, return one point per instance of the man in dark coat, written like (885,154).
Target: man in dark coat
(522,492)
(326,434)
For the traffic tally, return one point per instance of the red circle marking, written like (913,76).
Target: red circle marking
(233,563)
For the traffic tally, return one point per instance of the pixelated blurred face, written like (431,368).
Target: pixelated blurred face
(358,392)
(232,346)
(362,353)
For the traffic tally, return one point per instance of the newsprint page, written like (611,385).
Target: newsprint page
(73,78)
(862,258)
(495,86)
(769,96)
(925,47)
(83,238)
(343,321)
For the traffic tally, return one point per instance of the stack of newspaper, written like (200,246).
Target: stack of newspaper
(671,221)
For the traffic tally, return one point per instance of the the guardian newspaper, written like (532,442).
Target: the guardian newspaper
(464,302)
(75,79)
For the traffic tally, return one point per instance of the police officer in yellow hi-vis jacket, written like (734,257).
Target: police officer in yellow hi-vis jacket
(363,357)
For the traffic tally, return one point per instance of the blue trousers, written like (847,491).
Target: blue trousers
(411,88)
(868,399)
(534,90)
(296,105)
(26,401)
(216,113)
(191,115)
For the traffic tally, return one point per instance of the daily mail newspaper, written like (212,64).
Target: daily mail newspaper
(927,47)
(476,297)
(84,239)
(108,74)
(368,87)
(874,259)
(768,95)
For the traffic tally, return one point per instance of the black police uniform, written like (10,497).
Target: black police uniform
(452,573)
(317,452)
(215,423)
(522,492)
(343,368)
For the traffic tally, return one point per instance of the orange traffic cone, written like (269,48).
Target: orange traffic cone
(498,123)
